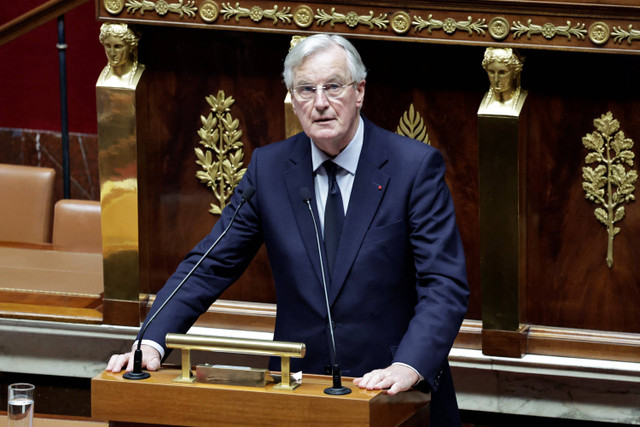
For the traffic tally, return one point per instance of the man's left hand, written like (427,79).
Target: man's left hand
(395,378)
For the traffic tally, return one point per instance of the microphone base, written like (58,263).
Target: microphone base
(337,391)
(136,375)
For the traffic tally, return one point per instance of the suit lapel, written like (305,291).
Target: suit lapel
(368,190)
(300,175)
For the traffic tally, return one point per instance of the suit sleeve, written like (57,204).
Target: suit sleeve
(441,282)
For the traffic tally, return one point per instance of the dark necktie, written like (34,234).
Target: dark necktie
(333,215)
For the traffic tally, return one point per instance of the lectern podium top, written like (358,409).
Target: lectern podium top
(159,400)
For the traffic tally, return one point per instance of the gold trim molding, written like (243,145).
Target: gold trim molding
(619,35)
(401,21)
(303,16)
(161,7)
(256,13)
(499,28)
(548,30)
(220,135)
(351,19)
(114,7)
(609,184)
(449,25)
(209,11)
(599,33)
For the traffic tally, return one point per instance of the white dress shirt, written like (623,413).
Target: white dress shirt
(345,174)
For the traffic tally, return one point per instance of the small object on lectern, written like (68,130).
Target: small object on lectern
(285,350)
(337,389)
(137,373)
(232,375)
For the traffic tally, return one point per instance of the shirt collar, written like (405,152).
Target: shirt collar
(348,158)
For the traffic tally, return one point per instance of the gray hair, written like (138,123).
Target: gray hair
(317,43)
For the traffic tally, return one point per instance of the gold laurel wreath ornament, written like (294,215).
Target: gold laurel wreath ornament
(612,151)
(220,135)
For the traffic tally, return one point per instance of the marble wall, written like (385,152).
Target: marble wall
(548,386)
(44,148)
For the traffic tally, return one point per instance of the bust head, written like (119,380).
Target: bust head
(503,66)
(121,47)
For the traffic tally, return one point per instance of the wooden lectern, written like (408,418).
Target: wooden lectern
(161,401)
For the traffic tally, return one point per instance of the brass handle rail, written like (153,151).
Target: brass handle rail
(36,17)
(285,350)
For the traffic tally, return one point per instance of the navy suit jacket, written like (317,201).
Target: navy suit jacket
(399,290)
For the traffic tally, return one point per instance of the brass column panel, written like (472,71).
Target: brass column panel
(118,190)
(502,235)
(291,122)
(499,221)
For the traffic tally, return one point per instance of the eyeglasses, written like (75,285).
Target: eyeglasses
(331,90)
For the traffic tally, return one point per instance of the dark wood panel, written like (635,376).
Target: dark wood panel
(183,67)
(568,281)
(584,343)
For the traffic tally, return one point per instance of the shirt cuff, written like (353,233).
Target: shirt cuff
(150,343)
(420,377)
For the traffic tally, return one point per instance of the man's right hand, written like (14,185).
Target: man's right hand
(150,360)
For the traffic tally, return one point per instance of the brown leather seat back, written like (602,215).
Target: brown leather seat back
(76,226)
(26,203)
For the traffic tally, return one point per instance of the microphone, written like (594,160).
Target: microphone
(337,388)
(137,373)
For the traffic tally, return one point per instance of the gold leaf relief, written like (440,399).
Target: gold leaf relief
(609,184)
(220,135)
(256,13)
(412,125)
(161,7)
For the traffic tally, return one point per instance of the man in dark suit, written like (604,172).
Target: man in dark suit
(396,273)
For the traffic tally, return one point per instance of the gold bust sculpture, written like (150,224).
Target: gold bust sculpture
(121,47)
(503,67)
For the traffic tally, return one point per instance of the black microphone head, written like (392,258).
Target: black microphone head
(248,193)
(305,194)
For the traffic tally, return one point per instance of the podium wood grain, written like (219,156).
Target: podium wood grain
(158,400)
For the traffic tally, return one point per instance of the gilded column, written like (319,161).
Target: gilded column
(291,122)
(502,206)
(117,142)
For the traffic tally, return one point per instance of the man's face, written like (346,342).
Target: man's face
(117,51)
(500,77)
(330,122)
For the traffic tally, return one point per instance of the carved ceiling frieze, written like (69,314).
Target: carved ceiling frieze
(555,31)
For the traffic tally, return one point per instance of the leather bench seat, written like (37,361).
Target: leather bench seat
(76,226)
(26,195)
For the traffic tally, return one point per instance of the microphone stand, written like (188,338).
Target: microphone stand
(138,373)
(337,389)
